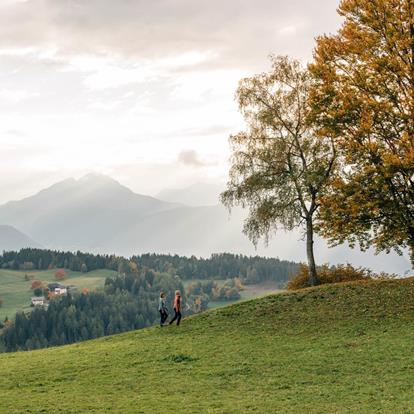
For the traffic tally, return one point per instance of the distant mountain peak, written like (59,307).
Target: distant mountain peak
(93,176)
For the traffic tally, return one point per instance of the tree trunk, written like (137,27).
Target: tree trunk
(410,244)
(313,277)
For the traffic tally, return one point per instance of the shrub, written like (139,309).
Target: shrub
(334,274)
(38,291)
(232,294)
(36,284)
(238,284)
(60,274)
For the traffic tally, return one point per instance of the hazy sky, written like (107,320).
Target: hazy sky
(137,89)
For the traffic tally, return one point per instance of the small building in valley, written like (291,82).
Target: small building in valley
(56,289)
(60,291)
(38,300)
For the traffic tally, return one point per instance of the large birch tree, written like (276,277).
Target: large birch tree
(279,167)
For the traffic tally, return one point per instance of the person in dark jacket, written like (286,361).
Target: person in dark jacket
(162,308)
(177,308)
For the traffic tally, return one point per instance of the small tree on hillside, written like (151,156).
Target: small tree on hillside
(60,274)
(36,284)
(38,291)
(280,168)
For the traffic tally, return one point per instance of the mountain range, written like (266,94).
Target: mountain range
(13,239)
(98,214)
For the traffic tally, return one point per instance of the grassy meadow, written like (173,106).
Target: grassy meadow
(16,292)
(333,349)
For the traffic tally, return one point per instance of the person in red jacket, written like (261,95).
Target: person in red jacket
(177,308)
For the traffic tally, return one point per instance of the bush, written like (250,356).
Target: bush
(38,291)
(334,274)
(198,303)
(60,274)
(232,294)
(36,284)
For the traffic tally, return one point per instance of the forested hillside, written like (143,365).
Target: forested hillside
(127,302)
(218,266)
(129,298)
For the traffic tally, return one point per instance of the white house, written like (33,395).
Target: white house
(38,301)
(61,291)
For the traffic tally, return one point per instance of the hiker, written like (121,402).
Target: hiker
(162,308)
(177,308)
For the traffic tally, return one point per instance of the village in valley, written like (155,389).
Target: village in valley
(53,290)
(43,293)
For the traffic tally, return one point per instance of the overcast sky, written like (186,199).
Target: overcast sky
(140,90)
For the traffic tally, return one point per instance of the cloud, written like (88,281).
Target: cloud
(235,32)
(146,84)
(190,158)
(15,95)
(15,133)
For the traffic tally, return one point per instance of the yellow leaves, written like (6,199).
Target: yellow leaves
(366,124)
(363,98)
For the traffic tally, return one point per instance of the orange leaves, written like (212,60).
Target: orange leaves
(363,98)
(60,274)
(36,284)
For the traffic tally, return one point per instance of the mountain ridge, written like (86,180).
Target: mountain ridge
(13,239)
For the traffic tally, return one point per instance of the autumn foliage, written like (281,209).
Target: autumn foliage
(363,97)
(36,284)
(60,274)
(334,274)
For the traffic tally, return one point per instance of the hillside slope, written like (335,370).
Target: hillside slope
(335,349)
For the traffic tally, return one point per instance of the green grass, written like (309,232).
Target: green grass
(334,349)
(16,293)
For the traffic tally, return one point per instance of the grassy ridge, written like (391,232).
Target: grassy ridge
(16,293)
(334,349)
